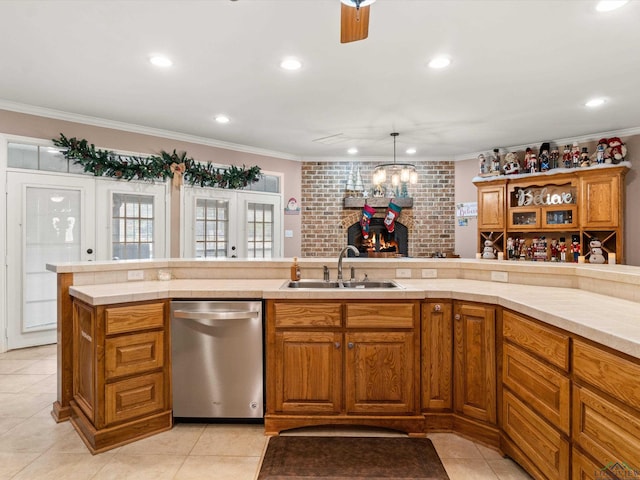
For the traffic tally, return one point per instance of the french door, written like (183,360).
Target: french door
(232,224)
(54,218)
(50,219)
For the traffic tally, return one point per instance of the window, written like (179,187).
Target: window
(39,157)
(132,226)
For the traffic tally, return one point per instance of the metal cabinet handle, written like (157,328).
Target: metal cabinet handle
(350,345)
(437,308)
(337,344)
(457,317)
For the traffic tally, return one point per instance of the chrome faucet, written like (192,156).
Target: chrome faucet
(341,255)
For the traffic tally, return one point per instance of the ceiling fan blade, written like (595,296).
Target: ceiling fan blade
(354,23)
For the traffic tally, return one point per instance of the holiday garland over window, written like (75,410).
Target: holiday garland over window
(173,165)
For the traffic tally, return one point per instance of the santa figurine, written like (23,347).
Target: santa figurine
(617,150)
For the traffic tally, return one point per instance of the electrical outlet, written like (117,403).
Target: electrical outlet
(135,274)
(403,273)
(429,273)
(500,276)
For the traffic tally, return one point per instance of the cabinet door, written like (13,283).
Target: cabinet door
(475,361)
(491,207)
(601,200)
(437,355)
(379,372)
(308,372)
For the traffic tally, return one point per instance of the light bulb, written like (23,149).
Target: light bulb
(404,175)
(413,178)
(395,179)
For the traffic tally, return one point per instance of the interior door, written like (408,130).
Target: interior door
(50,219)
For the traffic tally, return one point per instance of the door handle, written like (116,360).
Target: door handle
(89,251)
(350,345)
(215,315)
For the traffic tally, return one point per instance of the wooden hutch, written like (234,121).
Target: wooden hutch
(583,203)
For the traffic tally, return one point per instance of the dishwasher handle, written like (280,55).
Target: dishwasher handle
(221,315)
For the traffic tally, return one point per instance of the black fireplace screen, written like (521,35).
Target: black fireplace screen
(380,240)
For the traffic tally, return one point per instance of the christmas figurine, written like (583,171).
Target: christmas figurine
(575,248)
(595,247)
(601,149)
(575,155)
(533,163)
(511,164)
(482,164)
(566,156)
(543,157)
(584,158)
(495,162)
(393,212)
(527,159)
(617,150)
(554,156)
(367,212)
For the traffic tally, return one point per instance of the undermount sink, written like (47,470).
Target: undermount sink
(346,284)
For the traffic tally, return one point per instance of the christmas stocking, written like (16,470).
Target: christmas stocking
(393,212)
(367,212)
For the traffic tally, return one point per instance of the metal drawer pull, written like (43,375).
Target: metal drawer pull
(337,344)
(437,308)
(350,345)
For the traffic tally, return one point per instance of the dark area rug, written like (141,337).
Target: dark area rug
(353,458)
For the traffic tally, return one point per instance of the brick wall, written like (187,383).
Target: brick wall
(325,220)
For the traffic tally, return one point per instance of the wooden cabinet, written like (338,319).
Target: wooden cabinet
(606,409)
(585,203)
(344,362)
(121,372)
(474,364)
(536,394)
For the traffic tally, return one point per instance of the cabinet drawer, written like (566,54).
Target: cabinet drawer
(134,397)
(542,444)
(380,315)
(548,344)
(583,468)
(308,314)
(133,318)
(542,387)
(604,430)
(130,354)
(610,373)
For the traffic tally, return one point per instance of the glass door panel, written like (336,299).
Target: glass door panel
(50,221)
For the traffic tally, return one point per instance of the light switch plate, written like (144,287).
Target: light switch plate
(403,273)
(500,276)
(288,233)
(135,274)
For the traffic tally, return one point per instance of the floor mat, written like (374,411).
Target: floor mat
(353,458)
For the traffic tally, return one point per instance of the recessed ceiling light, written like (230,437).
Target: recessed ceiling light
(608,5)
(161,61)
(352,150)
(440,62)
(411,151)
(595,102)
(222,119)
(291,64)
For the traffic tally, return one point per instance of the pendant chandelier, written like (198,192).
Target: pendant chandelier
(397,173)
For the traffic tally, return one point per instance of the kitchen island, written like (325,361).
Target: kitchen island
(536,359)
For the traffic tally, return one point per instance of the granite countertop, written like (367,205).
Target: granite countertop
(609,321)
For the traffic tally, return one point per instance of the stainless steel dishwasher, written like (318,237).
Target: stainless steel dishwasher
(217,359)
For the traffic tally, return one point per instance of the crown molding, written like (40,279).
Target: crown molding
(133,128)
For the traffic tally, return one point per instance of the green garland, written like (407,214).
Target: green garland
(129,167)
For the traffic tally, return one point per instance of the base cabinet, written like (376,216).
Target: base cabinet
(121,372)
(342,363)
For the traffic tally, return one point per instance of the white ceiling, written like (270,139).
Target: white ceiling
(520,74)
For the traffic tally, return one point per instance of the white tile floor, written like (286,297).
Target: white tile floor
(33,446)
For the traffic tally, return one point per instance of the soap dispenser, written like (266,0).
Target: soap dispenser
(295,270)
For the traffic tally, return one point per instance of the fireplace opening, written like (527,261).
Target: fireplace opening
(380,243)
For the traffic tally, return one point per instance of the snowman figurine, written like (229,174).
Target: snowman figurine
(596,251)
(488,251)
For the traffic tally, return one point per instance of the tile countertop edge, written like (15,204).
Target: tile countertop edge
(606,320)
